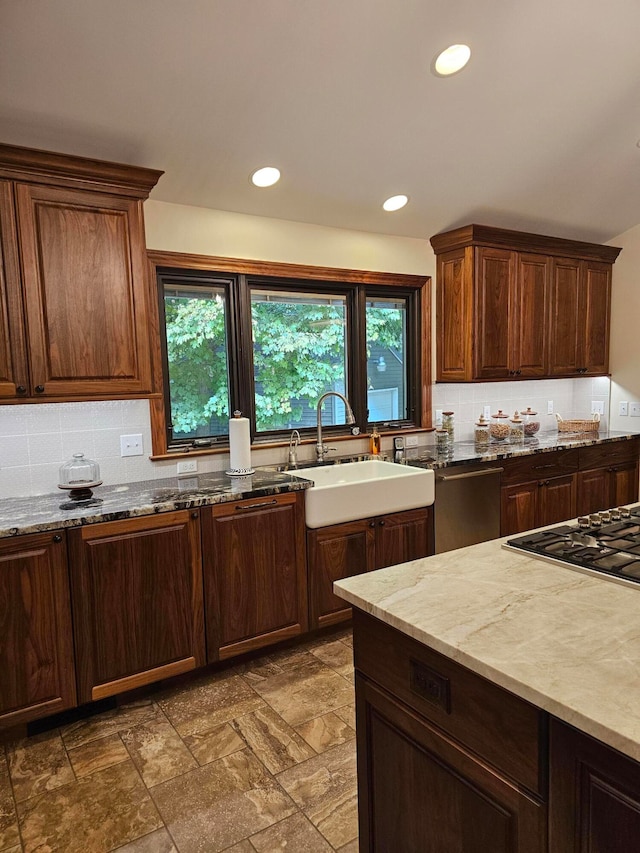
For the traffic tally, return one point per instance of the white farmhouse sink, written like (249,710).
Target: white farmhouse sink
(362,489)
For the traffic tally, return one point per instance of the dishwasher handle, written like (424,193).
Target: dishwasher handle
(469,474)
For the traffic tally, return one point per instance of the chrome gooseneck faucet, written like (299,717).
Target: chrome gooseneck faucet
(321,449)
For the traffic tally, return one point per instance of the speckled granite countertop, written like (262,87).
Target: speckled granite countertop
(43,512)
(566,642)
(464,452)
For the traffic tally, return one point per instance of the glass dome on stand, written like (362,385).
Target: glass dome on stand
(79,476)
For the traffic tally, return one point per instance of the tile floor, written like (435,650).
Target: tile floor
(258,758)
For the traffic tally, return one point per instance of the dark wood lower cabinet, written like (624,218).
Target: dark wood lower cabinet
(37,673)
(254,573)
(343,550)
(537,503)
(594,796)
(137,601)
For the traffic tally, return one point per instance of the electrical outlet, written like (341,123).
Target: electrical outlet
(597,406)
(623,408)
(486,411)
(411,440)
(634,410)
(549,407)
(438,416)
(188,466)
(131,445)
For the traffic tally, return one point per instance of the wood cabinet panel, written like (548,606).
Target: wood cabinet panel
(594,801)
(564,329)
(593,491)
(529,315)
(596,312)
(86,291)
(36,642)
(337,552)
(455,336)
(494,292)
(255,573)
(404,536)
(556,500)
(519,508)
(137,601)
(420,792)
(624,484)
(540,466)
(14,376)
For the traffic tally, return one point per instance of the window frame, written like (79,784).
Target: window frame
(242,276)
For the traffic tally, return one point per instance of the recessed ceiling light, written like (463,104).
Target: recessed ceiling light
(395,202)
(451,60)
(266,177)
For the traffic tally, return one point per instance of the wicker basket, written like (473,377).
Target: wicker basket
(577,425)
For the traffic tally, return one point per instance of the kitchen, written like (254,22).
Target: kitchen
(37,439)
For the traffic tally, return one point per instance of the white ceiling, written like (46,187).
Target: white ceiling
(539,132)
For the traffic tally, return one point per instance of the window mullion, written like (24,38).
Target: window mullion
(243,396)
(358,357)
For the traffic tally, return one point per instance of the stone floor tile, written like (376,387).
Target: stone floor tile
(324,788)
(210,745)
(97,755)
(242,847)
(38,764)
(208,703)
(157,842)
(110,722)
(222,803)
(274,743)
(336,655)
(348,714)
(157,751)
(326,731)
(351,847)
(295,833)
(9,835)
(258,669)
(294,658)
(17,849)
(299,695)
(97,814)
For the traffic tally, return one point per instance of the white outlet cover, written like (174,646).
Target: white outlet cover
(623,408)
(634,410)
(597,406)
(411,441)
(550,407)
(188,466)
(487,412)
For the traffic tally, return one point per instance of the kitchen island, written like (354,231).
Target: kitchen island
(498,703)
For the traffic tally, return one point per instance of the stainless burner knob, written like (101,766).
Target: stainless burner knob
(615,515)
(606,517)
(625,512)
(595,520)
(583,521)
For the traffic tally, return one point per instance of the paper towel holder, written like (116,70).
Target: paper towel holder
(238,472)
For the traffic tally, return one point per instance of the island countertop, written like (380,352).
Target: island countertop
(565,641)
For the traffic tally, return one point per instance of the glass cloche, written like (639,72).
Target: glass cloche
(79,475)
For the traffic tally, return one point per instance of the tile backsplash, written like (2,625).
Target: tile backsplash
(572,398)
(36,439)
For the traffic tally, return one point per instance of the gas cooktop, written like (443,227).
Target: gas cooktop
(606,542)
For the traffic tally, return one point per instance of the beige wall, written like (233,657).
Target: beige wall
(625,334)
(201,231)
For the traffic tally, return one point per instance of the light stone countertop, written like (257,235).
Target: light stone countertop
(563,640)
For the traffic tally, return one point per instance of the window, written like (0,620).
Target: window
(235,338)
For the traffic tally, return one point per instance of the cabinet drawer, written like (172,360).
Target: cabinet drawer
(539,466)
(501,728)
(609,453)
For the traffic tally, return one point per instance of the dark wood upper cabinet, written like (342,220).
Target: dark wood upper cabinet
(137,601)
(76,303)
(36,640)
(517,305)
(254,573)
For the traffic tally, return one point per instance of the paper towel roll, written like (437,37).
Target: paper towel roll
(239,445)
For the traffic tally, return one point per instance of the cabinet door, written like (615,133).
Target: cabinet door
(255,574)
(36,644)
(86,296)
(421,792)
(595,313)
(137,601)
(337,552)
(14,379)
(519,508)
(594,795)
(593,491)
(565,323)
(529,315)
(495,270)
(404,536)
(556,500)
(454,338)
(624,484)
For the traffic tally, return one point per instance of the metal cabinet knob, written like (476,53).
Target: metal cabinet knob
(21,389)
(57,538)
(39,389)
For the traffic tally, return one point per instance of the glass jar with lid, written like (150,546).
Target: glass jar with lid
(531,422)
(442,442)
(499,427)
(481,433)
(516,429)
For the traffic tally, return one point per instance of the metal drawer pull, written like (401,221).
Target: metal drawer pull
(540,467)
(240,508)
(469,474)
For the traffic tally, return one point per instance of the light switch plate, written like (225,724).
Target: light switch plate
(549,407)
(597,406)
(438,416)
(623,408)
(131,445)
(188,466)
(634,410)
(487,413)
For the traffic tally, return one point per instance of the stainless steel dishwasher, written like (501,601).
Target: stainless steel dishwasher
(467,505)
